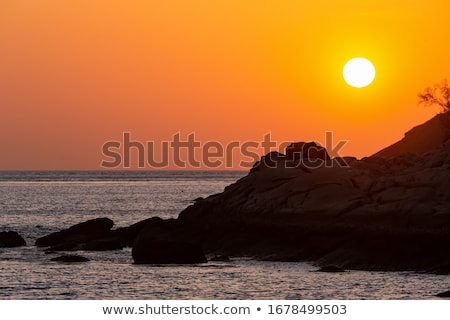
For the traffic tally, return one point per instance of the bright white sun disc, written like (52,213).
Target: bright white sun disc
(359,72)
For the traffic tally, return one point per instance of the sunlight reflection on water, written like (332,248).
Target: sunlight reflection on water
(40,203)
(116,278)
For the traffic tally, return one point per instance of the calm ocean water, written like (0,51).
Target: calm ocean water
(36,203)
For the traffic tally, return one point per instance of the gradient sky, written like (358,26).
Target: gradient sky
(75,74)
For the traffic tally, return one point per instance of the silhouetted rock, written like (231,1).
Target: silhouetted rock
(128,234)
(9,239)
(330,269)
(94,235)
(119,238)
(445,294)
(271,160)
(344,161)
(165,242)
(441,269)
(78,233)
(167,252)
(420,139)
(306,150)
(70,258)
(220,258)
(378,213)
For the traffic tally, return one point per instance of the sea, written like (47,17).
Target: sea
(36,203)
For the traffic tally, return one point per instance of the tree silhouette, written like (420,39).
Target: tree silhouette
(437,95)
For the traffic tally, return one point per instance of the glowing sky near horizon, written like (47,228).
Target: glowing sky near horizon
(75,74)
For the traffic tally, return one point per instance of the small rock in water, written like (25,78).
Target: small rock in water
(330,269)
(9,239)
(70,258)
(445,294)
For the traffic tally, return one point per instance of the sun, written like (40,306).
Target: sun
(359,72)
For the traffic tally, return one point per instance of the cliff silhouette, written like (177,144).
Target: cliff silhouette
(389,211)
(420,139)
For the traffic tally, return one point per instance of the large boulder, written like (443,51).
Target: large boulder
(9,239)
(376,213)
(167,252)
(128,234)
(94,235)
(79,233)
(167,242)
(118,238)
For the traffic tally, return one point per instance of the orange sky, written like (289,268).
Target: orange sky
(75,74)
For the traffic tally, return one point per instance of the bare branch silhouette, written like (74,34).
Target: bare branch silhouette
(439,95)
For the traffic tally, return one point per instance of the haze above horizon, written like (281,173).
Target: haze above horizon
(74,75)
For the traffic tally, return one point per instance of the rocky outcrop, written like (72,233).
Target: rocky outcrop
(153,240)
(306,150)
(118,238)
(421,139)
(78,233)
(167,242)
(9,239)
(94,235)
(374,214)
(445,294)
(386,212)
(167,252)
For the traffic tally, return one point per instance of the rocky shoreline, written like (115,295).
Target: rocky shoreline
(378,213)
